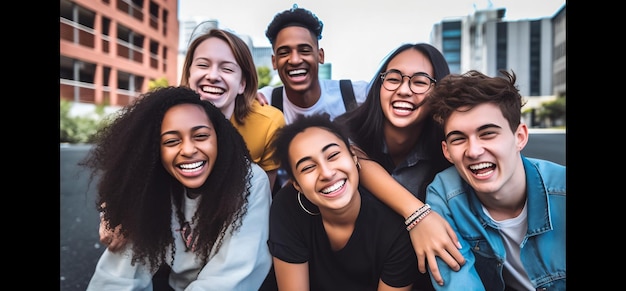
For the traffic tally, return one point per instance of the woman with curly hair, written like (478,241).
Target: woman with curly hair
(220,68)
(177,178)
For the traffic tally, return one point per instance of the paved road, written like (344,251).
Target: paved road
(80,248)
(546,144)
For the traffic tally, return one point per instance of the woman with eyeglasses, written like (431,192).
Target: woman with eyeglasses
(394,129)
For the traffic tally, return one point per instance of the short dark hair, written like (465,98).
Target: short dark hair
(294,17)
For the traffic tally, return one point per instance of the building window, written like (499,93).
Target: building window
(535,58)
(132,8)
(451,44)
(76,80)
(77,24)
(154,54)
(501,45)
(129,44)
(164,59)
(166,14)
(154,15)
(128,86)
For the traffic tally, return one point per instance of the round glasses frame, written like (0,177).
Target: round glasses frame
(419,83)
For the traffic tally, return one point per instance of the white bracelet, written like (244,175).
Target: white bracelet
(417,213)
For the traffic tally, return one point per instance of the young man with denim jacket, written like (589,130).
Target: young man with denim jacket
(507,210)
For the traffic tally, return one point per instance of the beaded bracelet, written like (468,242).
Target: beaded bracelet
(417,220)
(416,214)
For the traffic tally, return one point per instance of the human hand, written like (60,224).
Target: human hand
(261,98)
(112,238)
(433,236)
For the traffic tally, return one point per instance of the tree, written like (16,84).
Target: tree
(264,75)
(158,83)
(553,110)
(79,129)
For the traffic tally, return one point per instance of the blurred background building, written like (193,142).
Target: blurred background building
(110,50)
(535,49)
(484,42)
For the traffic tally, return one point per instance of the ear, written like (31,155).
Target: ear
(356,161)
(444,149)
(242,86)
(321,55)
(521,136)
(273,62)
(296,185)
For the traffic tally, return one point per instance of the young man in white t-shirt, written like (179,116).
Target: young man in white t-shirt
(294,35)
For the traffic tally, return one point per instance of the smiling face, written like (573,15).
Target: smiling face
(324,169)
(484,151)
(297,57)
(401,107)
(188,144)
(215,74)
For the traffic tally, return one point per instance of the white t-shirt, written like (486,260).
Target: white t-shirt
(330,101)
(513,231)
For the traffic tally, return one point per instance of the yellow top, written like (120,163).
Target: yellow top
(258,131)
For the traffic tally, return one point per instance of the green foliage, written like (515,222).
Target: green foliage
(553,109)
(264,75)
(158,83)
(79,129)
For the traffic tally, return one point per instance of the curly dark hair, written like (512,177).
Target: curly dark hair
(294,17)
(138,192)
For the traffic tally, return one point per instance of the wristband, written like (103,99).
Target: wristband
(416,214)
(418,219)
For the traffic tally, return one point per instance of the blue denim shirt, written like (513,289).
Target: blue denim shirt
(543,247)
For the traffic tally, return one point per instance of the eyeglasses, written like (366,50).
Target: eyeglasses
(418,83)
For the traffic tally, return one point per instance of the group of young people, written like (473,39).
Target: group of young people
(421,187)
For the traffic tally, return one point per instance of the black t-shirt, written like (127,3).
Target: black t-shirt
(379,248)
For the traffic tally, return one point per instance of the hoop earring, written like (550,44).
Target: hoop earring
(304,208)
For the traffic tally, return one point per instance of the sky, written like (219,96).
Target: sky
(358,34)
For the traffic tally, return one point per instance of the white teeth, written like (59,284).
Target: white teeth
(480,166)
(484,174)
(333,187)
(214,90)
(403,105)
(295,72)
(191,167)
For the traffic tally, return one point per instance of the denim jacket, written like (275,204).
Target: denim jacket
(543,247)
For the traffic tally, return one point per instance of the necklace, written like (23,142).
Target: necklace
(186,232)
(304,208)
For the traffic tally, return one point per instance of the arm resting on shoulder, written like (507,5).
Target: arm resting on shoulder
(432,237)
(261,98)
